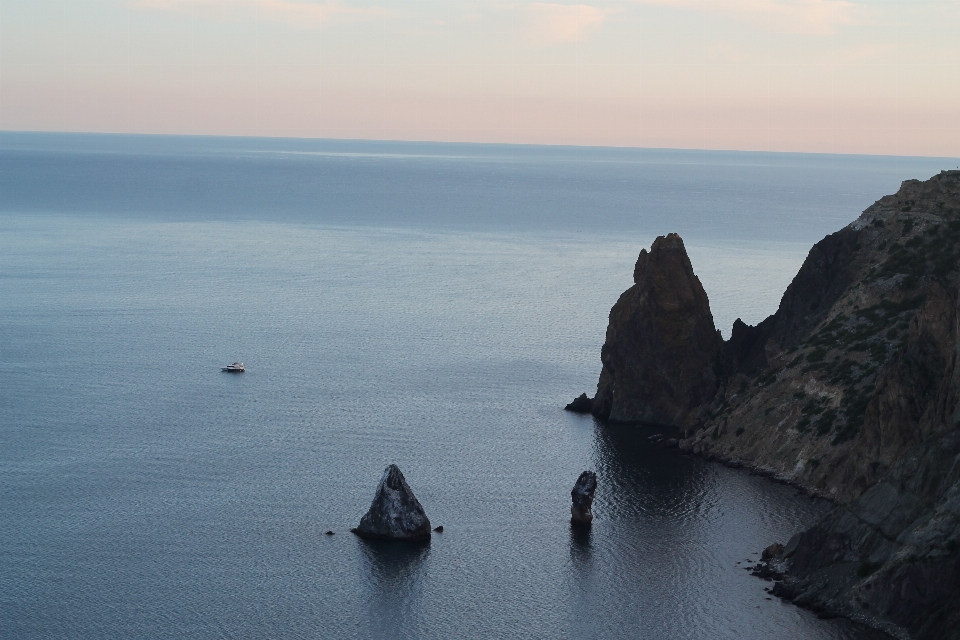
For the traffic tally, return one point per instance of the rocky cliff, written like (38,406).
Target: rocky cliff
(660,355)
(849,390)
(890,557)
(857,364)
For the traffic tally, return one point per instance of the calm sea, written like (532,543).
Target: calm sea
(430,305)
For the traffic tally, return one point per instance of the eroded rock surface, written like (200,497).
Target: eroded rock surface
(395,513)
(662,351)
(582,495)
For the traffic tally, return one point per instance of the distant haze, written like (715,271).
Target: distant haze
(836,76)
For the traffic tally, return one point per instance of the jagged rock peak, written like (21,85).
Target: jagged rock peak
(667,253)
(662,350)
(582,495)
(395,513)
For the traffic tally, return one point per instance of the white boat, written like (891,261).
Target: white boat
(236,367)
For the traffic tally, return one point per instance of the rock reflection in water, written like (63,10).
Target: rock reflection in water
(580,545)
(638,478)
(668,533)
(395,578)
(583,583)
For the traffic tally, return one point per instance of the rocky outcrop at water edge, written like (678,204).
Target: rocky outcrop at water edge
(580,404)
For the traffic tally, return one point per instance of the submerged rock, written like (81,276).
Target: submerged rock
(582,495)
(395,513)
(583,404)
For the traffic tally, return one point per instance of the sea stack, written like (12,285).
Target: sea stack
(662,350)
(582,495)
(395,513)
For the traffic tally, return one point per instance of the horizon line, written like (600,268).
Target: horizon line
(200,136)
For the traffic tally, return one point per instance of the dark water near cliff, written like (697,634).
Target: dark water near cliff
(429,305)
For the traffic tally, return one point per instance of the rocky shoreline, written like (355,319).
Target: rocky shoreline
(850,392)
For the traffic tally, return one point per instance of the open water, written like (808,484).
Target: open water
(430,305)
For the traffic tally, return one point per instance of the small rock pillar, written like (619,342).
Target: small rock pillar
(582,495)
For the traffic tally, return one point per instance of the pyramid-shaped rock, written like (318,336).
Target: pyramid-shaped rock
(395,514)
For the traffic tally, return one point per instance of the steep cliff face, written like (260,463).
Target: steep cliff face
(662,351)
(850,390)
(856,365)
(826,275)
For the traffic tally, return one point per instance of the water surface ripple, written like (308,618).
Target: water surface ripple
(144,494)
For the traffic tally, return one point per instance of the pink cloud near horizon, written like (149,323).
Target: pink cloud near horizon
(550,24)
(816,17)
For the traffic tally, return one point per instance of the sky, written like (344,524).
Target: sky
(834,76)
